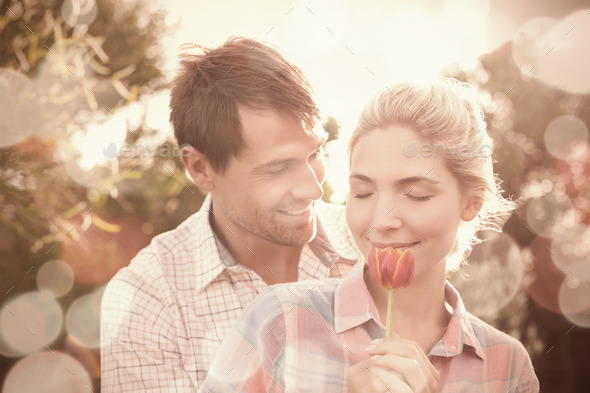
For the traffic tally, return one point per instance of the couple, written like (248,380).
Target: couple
(250,120)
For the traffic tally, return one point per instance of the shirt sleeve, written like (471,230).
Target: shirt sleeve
(251,358)
(528,381)
(139,352)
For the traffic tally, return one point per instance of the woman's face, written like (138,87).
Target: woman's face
(402,200)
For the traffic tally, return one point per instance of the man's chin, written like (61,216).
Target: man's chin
(296,236)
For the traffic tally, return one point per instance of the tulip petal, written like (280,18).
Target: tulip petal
(404,273)
(374,269)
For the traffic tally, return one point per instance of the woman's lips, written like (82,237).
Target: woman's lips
(398,245)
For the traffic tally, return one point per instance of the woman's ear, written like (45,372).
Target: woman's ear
(198,166)
(473,206)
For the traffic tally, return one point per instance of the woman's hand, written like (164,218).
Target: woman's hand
(396,365)
(362,378)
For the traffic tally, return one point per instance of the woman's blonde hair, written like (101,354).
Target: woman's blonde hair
(446,114)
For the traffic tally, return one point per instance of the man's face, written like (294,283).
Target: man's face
(268,190)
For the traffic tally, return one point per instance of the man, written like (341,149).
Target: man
(250,120)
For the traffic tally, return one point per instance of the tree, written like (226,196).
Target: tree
(520,109)
(61,68)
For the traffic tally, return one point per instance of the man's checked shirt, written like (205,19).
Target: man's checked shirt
(165,315)
(303,337)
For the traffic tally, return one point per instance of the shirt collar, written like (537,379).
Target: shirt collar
(209,250)
(459,331)
(353,306)
(203,247)
(227,260)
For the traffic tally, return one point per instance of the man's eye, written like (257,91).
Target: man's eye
(277,171)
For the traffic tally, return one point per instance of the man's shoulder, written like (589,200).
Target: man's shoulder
(174,255)
(173,246)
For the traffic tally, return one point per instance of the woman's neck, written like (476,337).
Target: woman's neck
(419,311)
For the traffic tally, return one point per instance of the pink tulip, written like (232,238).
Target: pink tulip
(391,268)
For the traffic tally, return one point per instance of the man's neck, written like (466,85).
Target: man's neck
(274,263)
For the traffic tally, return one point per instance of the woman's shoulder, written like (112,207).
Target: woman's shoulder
(493,339)
(317,295)
(304,291)
(281,298)
(505,354)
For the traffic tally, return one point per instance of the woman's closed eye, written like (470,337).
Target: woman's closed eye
(419,197)
(362,196)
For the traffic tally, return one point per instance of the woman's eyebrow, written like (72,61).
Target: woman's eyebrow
(358,176)
(417,179)
(406,180)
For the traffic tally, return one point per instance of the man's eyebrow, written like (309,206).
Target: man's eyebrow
(271,164)
(322,139)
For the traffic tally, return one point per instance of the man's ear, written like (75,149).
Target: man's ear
(198,166)
(473,206)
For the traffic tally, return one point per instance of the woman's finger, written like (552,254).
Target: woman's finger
(416,375)
(407,358)
(392,381)
(363,377)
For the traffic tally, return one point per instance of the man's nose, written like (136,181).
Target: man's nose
(308,183)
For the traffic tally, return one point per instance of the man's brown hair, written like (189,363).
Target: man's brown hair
(213,84)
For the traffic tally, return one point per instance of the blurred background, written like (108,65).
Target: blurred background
(89,171)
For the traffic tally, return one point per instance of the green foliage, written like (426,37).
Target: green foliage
(122,34)
(54,80)
(73,72)
(332,127)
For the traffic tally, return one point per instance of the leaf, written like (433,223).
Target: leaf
(134,175)
(104,225)
(125,72)
(95,44)
(133,93)
(90,99)
(98,68)
(121,89)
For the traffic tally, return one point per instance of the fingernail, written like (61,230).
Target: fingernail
(370,348)
(376,341)
(376,358)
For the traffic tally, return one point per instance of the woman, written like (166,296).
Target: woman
(420,177)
